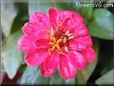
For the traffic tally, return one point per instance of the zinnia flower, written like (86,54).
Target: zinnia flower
(58,41)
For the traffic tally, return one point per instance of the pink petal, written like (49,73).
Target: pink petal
(77,60)
(35,57)
(50,65)
(77,18)
(42,43)
(66,70)
(70,20)
(81,43)
(74,15)
(89,54)
(42,71)
(68,24)
(41,19)
(35,30)
(25,43)
(80,30)
(53,13)
(64,15)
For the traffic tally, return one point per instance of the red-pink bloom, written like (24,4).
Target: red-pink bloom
(60,40)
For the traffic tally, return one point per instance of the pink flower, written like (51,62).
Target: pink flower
(60,40)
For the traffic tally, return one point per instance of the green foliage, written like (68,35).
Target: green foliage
(86,12)
(11,57)
(32,76)
(106,79)
(101,25)
(8,15)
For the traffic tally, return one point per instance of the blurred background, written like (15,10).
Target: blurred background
(99,19)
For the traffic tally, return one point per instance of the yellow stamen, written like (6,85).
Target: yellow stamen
(51,43)
(54,39)
(67,32)
(55,43)
(59,40)
(57,46)
(53,47)
(64,40)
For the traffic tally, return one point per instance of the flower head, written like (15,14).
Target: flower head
(60,40)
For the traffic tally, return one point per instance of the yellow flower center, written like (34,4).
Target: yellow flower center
(55,41)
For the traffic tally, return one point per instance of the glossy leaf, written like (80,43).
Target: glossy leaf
(11,57)
(21,17)
(102,24)
(56,79)
(31,76)
(86,12)
(70,82)
(40,6)
(8,13)
(106,79)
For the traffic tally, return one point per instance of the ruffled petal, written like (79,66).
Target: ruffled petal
(77,60)
(25,43)
(50,65)
(35,57)
(70,20)
(42,71)
(80,30)
(66,70)
(35,30)
(42,43)
(89,54)
(68,24)
(66,14)
(63,15)
(53,14)
(77,18)
(81,43)
(41,19)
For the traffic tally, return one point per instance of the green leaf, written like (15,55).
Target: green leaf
(43,6)
(11,57)
(106,79)
(56,79)
(86,12)
(31,76)
(102,24)
(70,81)
(8,13)
(21,17)
(40,6)
(83,75)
